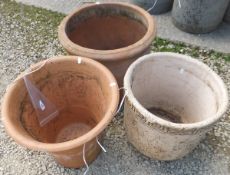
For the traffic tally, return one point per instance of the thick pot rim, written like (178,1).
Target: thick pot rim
(109,55)
(63,146)
(153,119)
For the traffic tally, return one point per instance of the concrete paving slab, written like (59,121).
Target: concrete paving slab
(62,6)
(218,40)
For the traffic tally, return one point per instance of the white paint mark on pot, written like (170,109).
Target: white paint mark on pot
(179,3)
(113,84)
(79,60)
(181,70)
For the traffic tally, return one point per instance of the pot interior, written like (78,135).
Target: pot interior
(81,93)
(106,27)
(175,89)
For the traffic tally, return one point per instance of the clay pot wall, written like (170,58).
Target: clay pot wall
(172,101)
(86,95)
(115,34)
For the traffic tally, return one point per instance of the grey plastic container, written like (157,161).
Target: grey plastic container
(227,15)
(162,6)
(198,16)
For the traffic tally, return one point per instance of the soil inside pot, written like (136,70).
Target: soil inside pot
(73,123)
(107,32)
(179,91)
(81,105)
(165,115)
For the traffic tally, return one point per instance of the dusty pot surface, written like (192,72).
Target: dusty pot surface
(161,6)
(115,34)
(200,16)
(172,101)
(227,15)
(86,94)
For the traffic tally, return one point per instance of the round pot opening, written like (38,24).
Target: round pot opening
(106,27)
(177,89)
(81,92)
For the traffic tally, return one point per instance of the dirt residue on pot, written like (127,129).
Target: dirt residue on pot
(81,105)
(166,115)
(107,32)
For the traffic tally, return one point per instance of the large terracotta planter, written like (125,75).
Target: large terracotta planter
(198,16)
(172,101)
(86,95)
(115,34)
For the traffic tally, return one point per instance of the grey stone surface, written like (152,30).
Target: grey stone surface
(62,6)
(218,40)
(200,16)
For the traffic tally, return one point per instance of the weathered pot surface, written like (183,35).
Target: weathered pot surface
(86,94)
(227,15)
(200,16)
(115,34)
(172,101)
(155,8)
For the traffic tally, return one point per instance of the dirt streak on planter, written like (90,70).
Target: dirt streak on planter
(227,15)
(115,34)
(172,101)
(199,16)
(82,91)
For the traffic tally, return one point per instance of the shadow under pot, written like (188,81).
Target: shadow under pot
(115,34)
(172,101)
(86,103)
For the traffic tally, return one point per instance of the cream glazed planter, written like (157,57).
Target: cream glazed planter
(172,101)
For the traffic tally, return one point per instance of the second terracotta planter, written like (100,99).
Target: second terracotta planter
(115,34)
(86,94)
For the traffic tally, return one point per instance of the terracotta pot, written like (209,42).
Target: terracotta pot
(86,102)
(172,101)
(161,6)
(115,34)
(199,16)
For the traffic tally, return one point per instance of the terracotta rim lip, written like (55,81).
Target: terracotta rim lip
(104,54)
(57,147)
(184,126)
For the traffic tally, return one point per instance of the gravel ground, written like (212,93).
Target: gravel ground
(27,35)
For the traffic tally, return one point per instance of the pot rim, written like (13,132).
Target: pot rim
(153,119)
(109,55)
(30,142)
